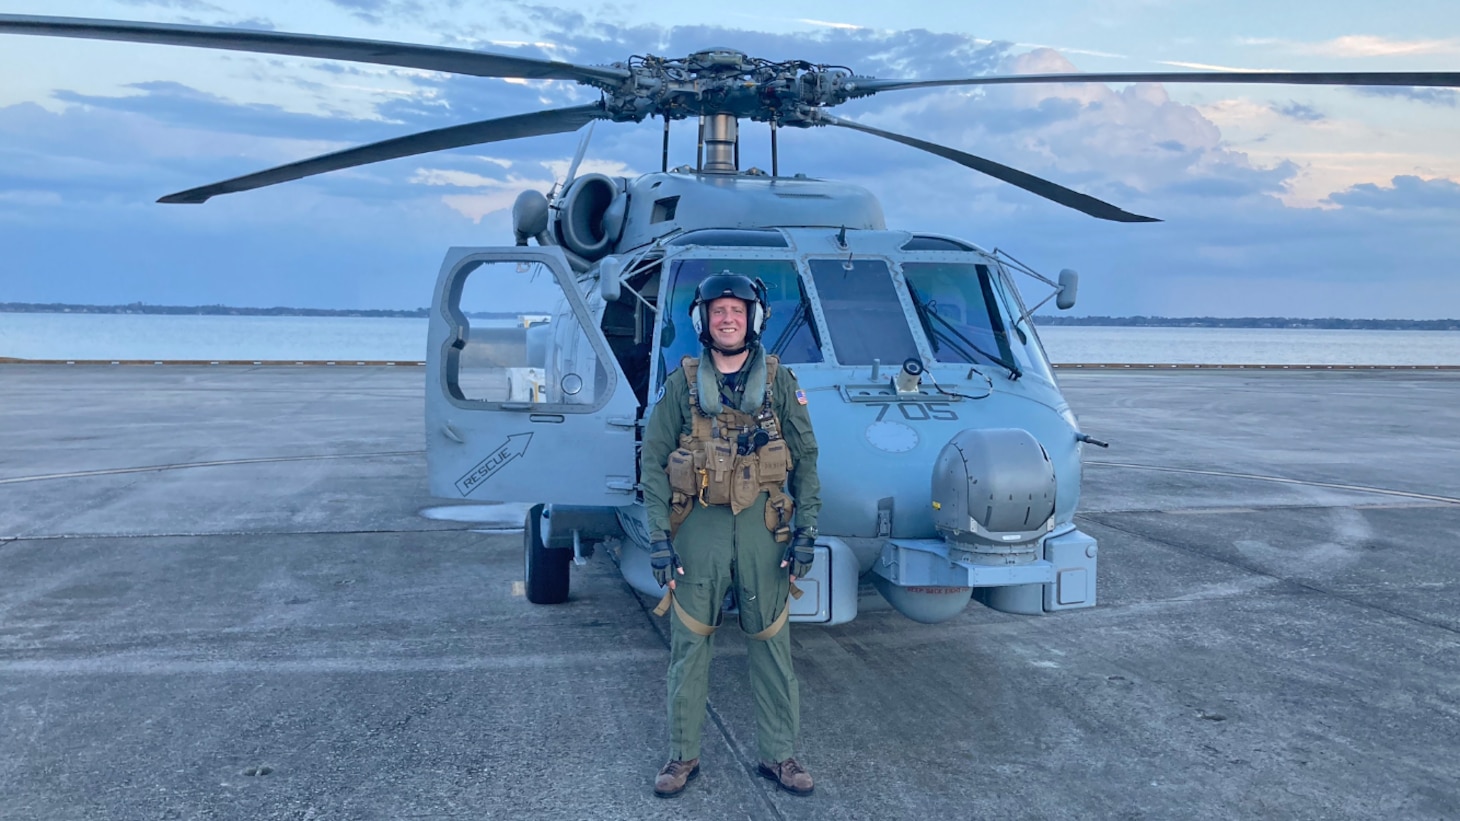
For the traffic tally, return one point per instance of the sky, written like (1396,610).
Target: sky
(1276,200)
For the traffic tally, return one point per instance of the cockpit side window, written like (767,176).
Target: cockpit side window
(953,304)
(968,317)
(790,325)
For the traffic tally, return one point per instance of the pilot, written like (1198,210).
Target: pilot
(728,432)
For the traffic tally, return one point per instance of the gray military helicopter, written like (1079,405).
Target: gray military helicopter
(950,461)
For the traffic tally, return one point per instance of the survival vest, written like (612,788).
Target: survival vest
(718,464)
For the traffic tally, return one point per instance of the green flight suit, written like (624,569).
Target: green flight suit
(716,549)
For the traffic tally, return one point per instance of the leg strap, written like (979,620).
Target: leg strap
(699,628)
(775,627)
(691,623)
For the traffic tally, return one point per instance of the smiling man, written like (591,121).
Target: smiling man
(727,437)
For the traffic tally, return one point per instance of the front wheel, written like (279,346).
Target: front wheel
(545,570)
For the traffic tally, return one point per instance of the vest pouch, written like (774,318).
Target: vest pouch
(680,505)
(775,462)
(744,488)
(778,512)
(721,467)
(681,470)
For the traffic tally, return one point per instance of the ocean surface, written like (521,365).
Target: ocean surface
(163,337)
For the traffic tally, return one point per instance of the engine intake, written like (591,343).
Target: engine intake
(591,218)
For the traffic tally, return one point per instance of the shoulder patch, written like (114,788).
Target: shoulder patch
(801,396)
(659,395)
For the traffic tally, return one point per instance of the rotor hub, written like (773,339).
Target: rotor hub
(725,81)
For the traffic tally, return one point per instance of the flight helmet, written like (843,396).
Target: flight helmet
(723,284)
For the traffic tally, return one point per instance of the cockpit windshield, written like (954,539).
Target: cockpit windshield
(965,311)
(862,311)
(789,332)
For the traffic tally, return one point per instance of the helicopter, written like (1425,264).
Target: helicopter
(950,460)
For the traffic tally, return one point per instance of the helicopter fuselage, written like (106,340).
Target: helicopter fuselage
(926,382)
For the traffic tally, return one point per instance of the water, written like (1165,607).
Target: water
(152,336)
(137,336)
(1250,346)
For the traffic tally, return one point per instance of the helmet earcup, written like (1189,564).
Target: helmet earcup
(698,319)
(757,321)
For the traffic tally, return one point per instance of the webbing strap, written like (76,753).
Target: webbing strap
(690,623)
(701,423)
(699,628)
(775,627)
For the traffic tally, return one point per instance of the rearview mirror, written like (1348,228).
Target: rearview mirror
(609,284)
(1069,286)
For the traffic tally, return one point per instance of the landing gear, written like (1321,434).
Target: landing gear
(545,570)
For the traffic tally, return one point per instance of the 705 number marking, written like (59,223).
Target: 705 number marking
(918,411)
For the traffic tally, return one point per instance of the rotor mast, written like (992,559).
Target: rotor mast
(722,143)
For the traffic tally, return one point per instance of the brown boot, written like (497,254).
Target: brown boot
(789,775)
(674,776)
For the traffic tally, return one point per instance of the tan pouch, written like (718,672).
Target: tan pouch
(775,462)
(681,470)
(778,512)
(720,467)
(744,489)
(680,505)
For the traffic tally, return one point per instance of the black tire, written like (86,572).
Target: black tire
(545,571)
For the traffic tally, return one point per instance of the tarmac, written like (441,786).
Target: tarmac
(226,594)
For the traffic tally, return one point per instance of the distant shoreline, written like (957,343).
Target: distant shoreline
(1276,322)
(201,310)
(1046,320)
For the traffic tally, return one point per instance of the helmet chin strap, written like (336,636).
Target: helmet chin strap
(750,342)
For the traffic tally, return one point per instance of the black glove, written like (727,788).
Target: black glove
(664,561)
(800,553)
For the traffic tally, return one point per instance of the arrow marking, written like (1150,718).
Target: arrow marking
(501,456)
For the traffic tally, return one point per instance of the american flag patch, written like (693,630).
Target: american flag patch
(801,396)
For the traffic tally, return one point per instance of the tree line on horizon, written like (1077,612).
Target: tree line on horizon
(1327,323)
(1324,323)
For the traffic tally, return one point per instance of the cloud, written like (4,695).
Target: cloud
(1210,67)
(1359,46)
(1300,112)
(1432,96)
(613,168)
(1404,193)
(85,177)
(187,5)
(377,12)
(830,25)
(1364,45)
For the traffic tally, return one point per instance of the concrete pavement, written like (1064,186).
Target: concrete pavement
(219,599)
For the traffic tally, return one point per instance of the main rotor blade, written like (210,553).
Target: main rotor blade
(1320,78)
(380,52)
(578,157)
(554,121)
(1083,203)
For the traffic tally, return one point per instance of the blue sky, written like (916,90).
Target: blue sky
(1277,200)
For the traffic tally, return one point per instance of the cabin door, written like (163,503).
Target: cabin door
(524,400)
